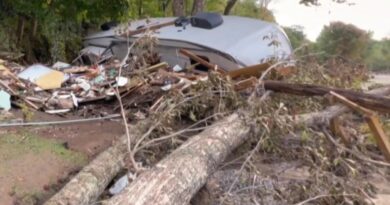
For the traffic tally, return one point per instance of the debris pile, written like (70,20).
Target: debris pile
(230,110)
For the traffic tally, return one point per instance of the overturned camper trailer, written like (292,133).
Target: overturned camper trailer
(228,41)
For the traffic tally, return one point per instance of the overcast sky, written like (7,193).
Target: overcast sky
(373,15)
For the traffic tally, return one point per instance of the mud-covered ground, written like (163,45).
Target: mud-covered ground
(36,160)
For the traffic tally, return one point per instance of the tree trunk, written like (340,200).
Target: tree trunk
(85,187)
(197,6)
(374,102)
(177,178)
(90,182)
(178,7)
(229,6)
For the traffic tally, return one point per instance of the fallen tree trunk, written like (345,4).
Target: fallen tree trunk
(86,187)
(90,182)
(177,178)
(371,101)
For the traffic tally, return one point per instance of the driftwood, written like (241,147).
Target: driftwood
(323,117)
(371,101)
(90,182)
(177,178)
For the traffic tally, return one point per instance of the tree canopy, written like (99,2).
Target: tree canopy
(345,40)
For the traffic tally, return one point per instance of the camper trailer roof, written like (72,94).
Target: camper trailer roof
(245,39)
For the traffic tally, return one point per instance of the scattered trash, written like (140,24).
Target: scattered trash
(177,68)
(61,65)
(51,80)
(121,81)
(5,100)
(119,185)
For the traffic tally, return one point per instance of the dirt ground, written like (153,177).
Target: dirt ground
(33,160)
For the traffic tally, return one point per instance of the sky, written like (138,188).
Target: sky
(372,15)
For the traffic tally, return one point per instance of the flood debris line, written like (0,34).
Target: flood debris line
(191,117)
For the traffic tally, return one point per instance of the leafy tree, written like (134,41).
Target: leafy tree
(253,9)
(345,40)
(296,35)
(378,55)
(43,27)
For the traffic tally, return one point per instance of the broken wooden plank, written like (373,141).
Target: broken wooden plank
(381,138)
(146,28)
(250,71)
(352,105)
(373,122)
(203,62)
(244,84)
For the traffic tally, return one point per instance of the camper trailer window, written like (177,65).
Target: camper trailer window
(199,66)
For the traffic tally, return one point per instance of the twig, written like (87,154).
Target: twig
(188,129)
(357,155)
(123,113)
(322,196)
(243,166)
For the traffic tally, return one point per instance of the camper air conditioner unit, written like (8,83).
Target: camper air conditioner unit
(206,20)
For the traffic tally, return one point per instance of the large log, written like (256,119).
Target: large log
(371,101)
(85,187)
(90,182)
(177,178)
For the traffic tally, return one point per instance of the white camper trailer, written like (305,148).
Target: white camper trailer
(228,41)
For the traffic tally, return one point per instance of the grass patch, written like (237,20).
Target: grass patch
(17,144)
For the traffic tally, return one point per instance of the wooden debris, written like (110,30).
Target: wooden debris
(143,29)
(323,117)
(244,84)
(373,122)
(14,93)
(203,62)
(381,138)
(374,102)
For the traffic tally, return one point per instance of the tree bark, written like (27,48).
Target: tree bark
(90,182)
(374,102)
(206,150)
(229,6)
(197,6)
(178,7)
(177,178)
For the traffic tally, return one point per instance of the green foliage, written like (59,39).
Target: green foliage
(251,8)
(216,5)
(378,55)
(344,40)
(43,27)
(23,142)
(296,35)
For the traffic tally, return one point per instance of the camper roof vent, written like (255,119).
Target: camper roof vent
(206,20)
